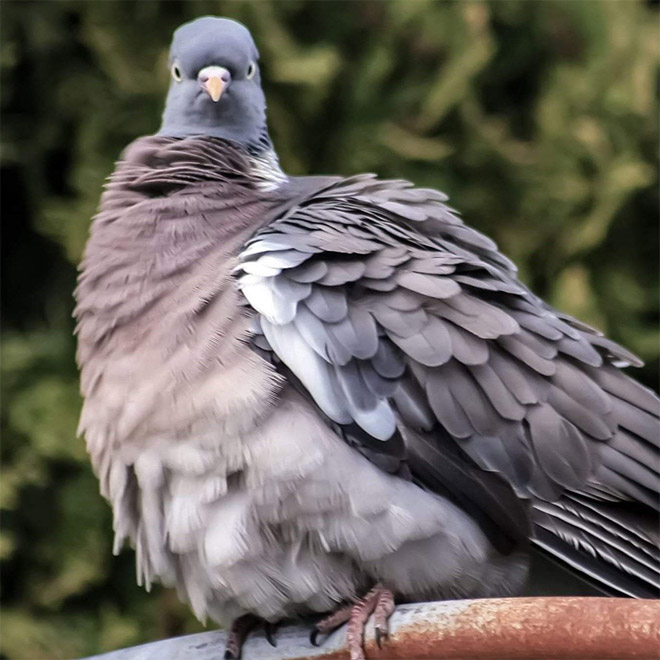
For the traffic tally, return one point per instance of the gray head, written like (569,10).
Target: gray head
(216,86)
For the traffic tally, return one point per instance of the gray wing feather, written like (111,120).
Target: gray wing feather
(499,395)
(327,304)
(357,332)
(380,386)
(465,347)
(446,409)
(387,361)
(431,346)
(395,316)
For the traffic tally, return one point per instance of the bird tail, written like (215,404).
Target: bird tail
(610,530)
(616,544)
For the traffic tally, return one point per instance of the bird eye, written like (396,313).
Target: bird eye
(176,72)
(252,69)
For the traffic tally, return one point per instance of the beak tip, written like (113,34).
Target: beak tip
(215,88)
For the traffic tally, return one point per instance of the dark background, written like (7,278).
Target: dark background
(539,119)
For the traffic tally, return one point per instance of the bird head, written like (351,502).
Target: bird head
(215,86)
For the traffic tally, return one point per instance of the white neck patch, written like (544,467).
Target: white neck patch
(265,168)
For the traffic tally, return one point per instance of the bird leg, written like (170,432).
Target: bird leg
(379,602)
(237,633)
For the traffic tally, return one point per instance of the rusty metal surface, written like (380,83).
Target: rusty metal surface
(488,629)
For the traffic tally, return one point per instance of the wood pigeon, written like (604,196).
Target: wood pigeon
(315,395)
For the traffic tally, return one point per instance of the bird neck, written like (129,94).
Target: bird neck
(265,165)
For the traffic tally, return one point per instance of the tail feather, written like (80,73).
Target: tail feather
(614,581)
(631,526)
(613,543)
(626,489)
(610,530)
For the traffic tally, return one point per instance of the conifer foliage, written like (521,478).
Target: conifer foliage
(539,119)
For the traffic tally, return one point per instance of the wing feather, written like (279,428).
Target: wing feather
(402,322)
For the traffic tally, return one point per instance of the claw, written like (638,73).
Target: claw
(269,631)
(379,601)
(330,623)
(381,635)
(382,612)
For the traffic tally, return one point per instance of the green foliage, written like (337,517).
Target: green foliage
(538,118)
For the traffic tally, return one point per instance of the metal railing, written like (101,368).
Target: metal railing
(488,629)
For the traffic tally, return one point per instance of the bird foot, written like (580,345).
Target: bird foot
(331,622)
(239,631)
(379,602)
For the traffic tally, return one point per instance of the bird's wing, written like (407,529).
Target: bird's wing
(413,336)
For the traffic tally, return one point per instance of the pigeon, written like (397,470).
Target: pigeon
(318,396)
